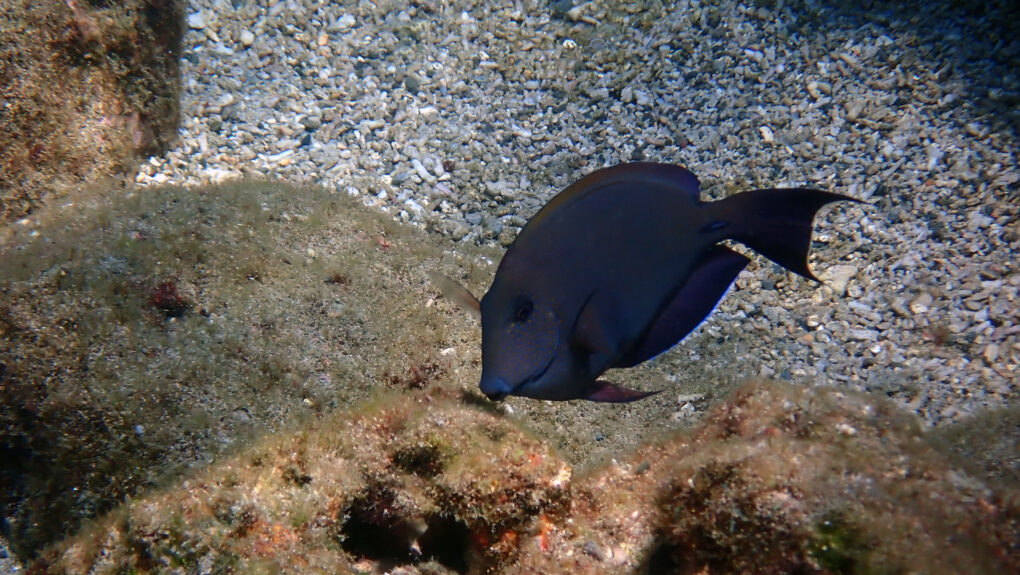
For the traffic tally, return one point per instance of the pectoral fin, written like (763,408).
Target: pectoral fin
(690,305)
(456,293)
(610,392)
(590,332)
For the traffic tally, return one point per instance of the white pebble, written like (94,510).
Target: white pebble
(342,23)
(196,21)
(420,168)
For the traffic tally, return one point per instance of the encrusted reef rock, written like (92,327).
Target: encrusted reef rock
(421,480)
(88,88)
(778,479)
(782,479)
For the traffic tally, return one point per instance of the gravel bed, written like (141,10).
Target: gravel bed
(465,119)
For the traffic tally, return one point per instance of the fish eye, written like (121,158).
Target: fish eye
(523,310)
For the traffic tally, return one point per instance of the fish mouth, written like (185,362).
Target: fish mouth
(531,379)
(515,390)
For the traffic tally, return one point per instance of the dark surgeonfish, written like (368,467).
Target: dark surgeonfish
(618,268)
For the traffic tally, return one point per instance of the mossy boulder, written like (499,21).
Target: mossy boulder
(90,88)
(421,479)
(147,333)
(784,479)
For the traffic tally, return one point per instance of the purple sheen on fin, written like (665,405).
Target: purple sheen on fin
(690,305)
(456,293)
(612,393)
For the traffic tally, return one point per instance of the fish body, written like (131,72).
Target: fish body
(619,267)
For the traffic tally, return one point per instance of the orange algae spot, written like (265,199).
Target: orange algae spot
(544,532)
(509,539)
(271,539)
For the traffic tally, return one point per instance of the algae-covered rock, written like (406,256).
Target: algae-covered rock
(146,333)
(149,341)
(778,479)
(781,479)
(420,480)
(88,89)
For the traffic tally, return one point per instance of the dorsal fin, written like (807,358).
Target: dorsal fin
(456,293)
(667,175)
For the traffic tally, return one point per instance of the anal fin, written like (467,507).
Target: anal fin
(610,392)
(690,305)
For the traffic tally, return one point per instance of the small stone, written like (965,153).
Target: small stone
(864,334)
(837,277)
(412,83)
(311,123)
(342,23)
(593,550)
(627,95)
(507,237)
(247,38)
(459,230)
(921,304)
(977,221)
(900,309)
(196,21)
(424,173)
(766,134)
(991,353)
(973,304)
(414,207)
(853,110)
(846,430)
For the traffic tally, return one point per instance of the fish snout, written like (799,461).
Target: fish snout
(494,388)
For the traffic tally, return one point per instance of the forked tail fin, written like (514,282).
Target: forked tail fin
(777,223)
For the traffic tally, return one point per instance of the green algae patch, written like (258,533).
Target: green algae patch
(149,334)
